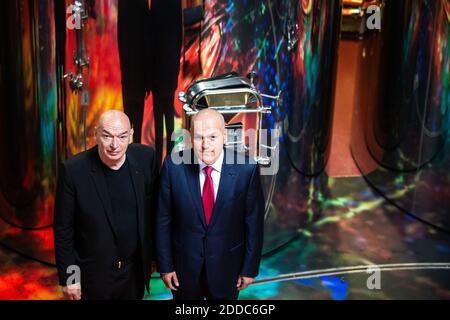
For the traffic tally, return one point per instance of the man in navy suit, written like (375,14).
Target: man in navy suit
(210,216)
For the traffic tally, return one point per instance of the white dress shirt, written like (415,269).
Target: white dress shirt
(215,174)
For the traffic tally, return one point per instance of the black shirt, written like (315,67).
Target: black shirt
(123,202)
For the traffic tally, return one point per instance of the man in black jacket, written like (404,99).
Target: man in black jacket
(103,208)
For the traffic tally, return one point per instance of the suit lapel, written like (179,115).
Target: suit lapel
(98,177)
(193,181)
(138,180)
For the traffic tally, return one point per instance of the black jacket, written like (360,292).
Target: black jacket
(84,227)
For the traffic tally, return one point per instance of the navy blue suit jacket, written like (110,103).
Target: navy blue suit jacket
(230,245)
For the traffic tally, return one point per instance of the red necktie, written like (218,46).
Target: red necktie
(208,194)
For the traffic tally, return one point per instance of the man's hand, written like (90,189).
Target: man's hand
(72,291)
(243,282)
(170,280)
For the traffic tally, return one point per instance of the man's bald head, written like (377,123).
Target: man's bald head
(113,134)
(209,115)
(114,116)
(208,135)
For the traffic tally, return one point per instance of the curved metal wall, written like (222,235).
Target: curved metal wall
(311,89)
(412,119)
(406,130)
(28,156)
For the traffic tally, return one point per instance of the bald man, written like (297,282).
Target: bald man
(103,215)
(210,217)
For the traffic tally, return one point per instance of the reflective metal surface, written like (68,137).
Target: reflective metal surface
(412,119)
(229,90)
(311,89)
(28,97)
(401,130)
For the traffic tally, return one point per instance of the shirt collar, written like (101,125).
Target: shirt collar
(216,165)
